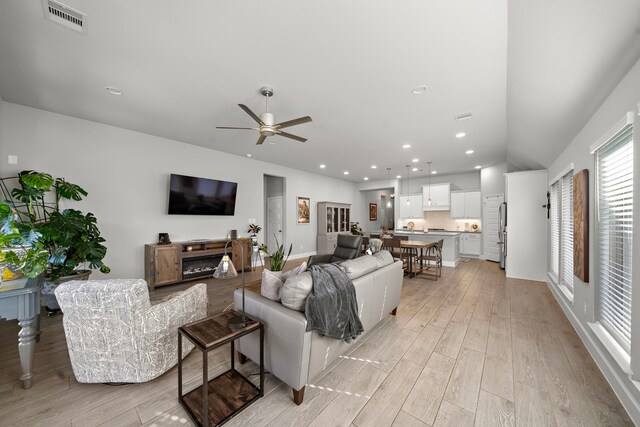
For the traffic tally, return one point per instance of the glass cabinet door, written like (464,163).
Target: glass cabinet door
(347,219)
(336,219)
(329,220)
(342,216)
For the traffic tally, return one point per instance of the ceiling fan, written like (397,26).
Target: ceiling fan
(266,120)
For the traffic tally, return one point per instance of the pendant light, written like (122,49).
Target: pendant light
(408,198)
(429,199)
(390,195)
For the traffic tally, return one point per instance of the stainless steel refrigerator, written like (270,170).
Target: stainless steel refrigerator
(502,234)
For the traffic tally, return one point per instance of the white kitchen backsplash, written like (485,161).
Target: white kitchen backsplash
(440,219)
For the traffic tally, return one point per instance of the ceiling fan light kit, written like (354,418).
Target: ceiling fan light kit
(267,121)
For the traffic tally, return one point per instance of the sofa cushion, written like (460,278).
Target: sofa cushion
(272,282)
(299,269)
(295,290)
(359,266)
(383,258)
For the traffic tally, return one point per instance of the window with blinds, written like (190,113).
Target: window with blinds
(566,232)
(614,189)
(554,230)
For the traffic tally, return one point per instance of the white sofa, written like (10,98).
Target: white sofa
(296,356)
(115,335)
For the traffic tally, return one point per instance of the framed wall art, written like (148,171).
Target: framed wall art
(373,211)
(304,210)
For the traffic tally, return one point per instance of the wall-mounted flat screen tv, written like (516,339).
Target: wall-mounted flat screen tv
(189,195)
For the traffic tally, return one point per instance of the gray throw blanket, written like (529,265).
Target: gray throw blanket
(331,307)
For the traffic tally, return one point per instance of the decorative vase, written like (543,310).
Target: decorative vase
(9,272)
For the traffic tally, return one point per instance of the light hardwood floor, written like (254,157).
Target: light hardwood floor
(472,348)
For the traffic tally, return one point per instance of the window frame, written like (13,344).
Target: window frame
(557,277)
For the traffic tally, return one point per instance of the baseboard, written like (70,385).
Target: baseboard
(617,383)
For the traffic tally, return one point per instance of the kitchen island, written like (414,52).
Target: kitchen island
(450,246)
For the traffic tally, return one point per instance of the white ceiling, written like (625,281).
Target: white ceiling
(184,67)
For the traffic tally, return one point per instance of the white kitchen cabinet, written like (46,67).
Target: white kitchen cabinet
(440,197)
(470,244)
(466,204)
(473,204)
(413,209)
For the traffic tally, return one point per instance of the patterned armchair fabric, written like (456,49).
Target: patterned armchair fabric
(114,334)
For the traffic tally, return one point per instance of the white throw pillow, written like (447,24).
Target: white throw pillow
(295,291)
(272,281)
(299,269)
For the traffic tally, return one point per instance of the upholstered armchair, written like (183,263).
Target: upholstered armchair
(347,247)
(115,335)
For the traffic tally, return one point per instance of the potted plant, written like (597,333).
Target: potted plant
(277,259)
(356,229)
(22,254)
(70,238)
(254,229)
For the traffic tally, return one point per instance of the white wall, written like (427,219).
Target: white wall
(625,97)
(127,175)
(385,215)
(492,179)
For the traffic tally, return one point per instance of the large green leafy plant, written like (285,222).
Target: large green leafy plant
(68,237)
(277,258)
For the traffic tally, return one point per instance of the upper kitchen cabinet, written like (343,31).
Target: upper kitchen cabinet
(413,209)
(440,197)
(466,205)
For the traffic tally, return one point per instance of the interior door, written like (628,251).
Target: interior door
(491,230)
(274,222)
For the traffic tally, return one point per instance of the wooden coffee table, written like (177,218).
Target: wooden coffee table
(221,398)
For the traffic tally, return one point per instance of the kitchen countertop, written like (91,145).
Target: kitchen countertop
(428,233)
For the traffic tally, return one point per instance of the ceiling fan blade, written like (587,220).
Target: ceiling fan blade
(252,114)
(228,127)
(288,135)
(261,139)
(298,121)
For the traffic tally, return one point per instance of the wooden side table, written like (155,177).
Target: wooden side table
(221,398)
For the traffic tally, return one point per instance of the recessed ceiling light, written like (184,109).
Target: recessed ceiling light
(323,166)
(468,152)
(419,89)
(366,178)
(114,90)
(346,172)
(415,160)
(434,172)
(460,135)
(415,169)
(406,146)
(398,176)
(249,155)
(374,167)
(478,167)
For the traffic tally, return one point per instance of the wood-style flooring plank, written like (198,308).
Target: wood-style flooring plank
(494,411)
(425,397)
(464,384)
(451,339)
(384,405)
(405,420)
(451,415)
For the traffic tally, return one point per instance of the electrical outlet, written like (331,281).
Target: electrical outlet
(252,220)
(584,306)
(12,159)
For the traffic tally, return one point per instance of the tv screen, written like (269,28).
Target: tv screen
(189,195)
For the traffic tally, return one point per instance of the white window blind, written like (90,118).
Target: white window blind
(614,188)
(566,232)
(554,225)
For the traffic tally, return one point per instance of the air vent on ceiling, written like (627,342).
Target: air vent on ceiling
(463,116)
(64,15)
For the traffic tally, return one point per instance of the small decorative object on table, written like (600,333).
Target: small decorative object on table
(474,227)
(233,234)
(163,239)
